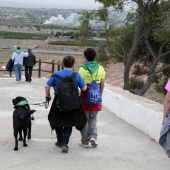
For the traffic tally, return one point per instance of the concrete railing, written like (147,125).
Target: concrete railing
(138,111)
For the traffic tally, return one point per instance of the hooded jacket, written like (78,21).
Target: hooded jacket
(18,57)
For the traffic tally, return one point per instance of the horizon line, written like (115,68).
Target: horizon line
(29,5)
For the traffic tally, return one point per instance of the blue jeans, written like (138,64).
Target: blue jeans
(18,69)
(63,134)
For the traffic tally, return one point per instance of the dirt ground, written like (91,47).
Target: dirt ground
(113,71)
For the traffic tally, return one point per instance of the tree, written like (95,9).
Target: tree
(58,34)
(52,33)
(85,29)
(141,26)
(156,39)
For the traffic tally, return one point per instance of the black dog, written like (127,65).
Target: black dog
(21,120)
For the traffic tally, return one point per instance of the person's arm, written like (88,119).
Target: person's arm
(47,92)
(34,60)
(13,57)
(26,54)
(166,106)
(103,76)
(81,83)
(84,88)
(102,85)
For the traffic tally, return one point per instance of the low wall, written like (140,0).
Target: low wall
(138,111)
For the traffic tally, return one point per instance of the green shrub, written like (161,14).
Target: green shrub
(135,84)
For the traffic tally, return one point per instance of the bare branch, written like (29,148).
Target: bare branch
(117,53)
(124,52)
(162,69)
(162,46)
(164,54)
(150,48)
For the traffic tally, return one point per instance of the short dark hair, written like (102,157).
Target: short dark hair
(90,54)
(29,50)
(18,48)
(68,61)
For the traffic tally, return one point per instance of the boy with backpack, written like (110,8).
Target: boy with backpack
(93,74)
(66,110)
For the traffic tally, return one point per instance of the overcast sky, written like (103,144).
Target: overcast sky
(74,4)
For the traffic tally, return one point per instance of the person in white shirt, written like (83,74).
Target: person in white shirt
(18,57)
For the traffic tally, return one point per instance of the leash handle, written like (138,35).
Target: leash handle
(48,98)
(46,104)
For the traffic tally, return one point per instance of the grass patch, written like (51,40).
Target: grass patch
(19,35)
(93,43)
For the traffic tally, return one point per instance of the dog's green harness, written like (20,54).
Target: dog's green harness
(22,103)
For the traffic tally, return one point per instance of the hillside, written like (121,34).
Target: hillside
(114,71)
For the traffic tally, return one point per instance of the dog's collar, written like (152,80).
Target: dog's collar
(21,103)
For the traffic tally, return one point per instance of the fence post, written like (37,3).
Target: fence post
(39,69)
(58,65)
(52,66)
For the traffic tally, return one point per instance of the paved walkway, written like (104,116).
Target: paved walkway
(121,146)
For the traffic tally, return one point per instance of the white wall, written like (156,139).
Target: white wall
(138,111)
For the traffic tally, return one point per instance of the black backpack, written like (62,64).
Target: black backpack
(68,94)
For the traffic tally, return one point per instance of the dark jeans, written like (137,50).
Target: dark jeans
(63,134)
(28,73)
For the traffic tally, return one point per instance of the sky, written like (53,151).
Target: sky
(64,4)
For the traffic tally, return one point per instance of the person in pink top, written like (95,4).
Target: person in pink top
(166,102)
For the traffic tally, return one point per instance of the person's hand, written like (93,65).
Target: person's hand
(48,98)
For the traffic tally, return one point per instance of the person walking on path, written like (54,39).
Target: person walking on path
(166,102)
(63,121)
(29,62)
(89,71)
(164,139)
(18,57)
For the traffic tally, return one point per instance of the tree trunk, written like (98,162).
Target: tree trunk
(133,49)
(146,86)
(150,79)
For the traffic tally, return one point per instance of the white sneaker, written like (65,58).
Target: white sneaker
(83,145)
(93,142)
(17,82)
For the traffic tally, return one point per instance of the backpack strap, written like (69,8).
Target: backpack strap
(55,75)
(91,74)
(73,75)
